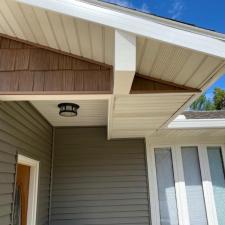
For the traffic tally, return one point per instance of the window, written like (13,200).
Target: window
(193,185)
(216,165)
(187,184)
(166,187)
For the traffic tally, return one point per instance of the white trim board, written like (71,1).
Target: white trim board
(33,187)
(134,24)
(196,123)
(54,97)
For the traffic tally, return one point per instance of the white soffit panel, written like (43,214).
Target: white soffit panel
(195,39)
(58,31)
(175,64)
(141,115)
(90,113)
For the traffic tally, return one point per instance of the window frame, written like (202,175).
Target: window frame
(180,189)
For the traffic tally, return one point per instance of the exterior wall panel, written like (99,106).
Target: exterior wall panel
(31,69)
(23,131)
(97,181)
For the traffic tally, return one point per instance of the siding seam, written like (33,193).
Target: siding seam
(51,176)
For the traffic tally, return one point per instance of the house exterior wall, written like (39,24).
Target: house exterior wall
(96,181)
(23,131)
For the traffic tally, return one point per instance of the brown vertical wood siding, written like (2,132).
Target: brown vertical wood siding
(29,69)
(146,84)
(23,131)
(98,182)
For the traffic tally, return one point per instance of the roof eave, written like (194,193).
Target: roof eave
(182,123)
(138,23)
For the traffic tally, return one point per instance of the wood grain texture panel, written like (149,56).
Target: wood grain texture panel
(28,69)
(68,81)
(146,84)
(7,59)
(39,79)
(5,43)
(22,59)
(26,79)
(53,81)
(9,81)
(78,80)
(65,62)
(43,60)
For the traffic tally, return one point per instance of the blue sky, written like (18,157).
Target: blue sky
(203,13)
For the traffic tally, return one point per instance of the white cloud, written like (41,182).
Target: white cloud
(176,9)
(125,3)
(144,5)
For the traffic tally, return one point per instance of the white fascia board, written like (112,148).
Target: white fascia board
(134,24)
(72,97)
(180,123)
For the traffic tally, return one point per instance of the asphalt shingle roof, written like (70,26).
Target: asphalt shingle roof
(220,114)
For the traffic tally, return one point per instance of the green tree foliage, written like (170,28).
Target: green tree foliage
(219,98)
(204,104)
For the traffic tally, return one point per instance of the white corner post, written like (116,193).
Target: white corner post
(125,61)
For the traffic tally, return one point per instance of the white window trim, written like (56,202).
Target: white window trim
(153,187)
(33,187)
(207,185)
(182,206)
(223,153)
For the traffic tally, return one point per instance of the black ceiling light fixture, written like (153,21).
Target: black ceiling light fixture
(68,109)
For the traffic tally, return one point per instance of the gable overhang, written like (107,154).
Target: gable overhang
(176,62)
(193,39)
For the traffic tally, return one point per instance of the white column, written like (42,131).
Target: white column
(207,185)
(152,183)
(125,61)
(181,196)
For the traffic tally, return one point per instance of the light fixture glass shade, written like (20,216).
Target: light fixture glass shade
(68,109)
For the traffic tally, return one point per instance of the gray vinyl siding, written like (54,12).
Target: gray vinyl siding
(98,182)
(23,131)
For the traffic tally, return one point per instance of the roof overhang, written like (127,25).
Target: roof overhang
(182,123)
(198,40)
(170,55)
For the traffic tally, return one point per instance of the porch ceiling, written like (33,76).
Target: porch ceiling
(141,115)
(90,113)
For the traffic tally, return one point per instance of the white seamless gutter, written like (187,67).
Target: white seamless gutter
(182,123)
(135,24)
